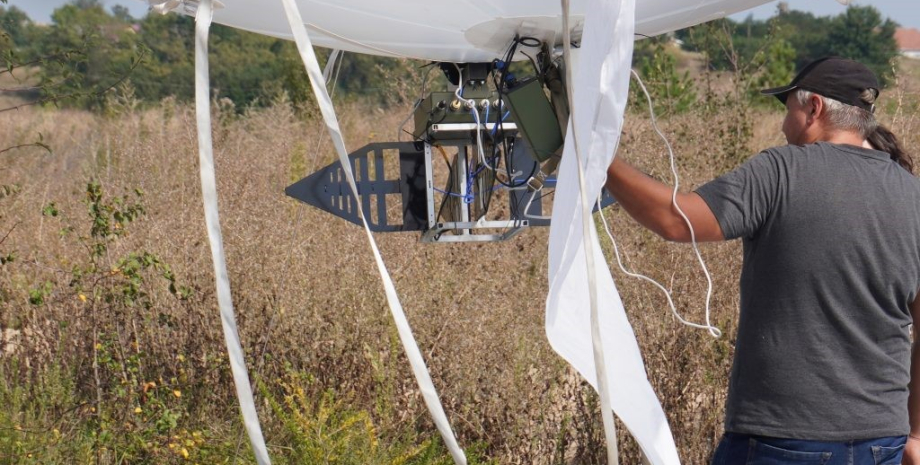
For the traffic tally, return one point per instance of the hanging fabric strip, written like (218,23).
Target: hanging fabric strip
(600,87)
(420,370)
(212,221)
(597,347)
(330,65)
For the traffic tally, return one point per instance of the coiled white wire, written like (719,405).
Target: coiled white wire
(714,331)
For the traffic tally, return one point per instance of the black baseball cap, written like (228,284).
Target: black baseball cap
(832,77)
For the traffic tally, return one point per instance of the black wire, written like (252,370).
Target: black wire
(506,148)
(537,199)
(500,132)
(530,41)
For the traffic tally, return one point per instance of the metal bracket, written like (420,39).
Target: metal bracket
(404,197)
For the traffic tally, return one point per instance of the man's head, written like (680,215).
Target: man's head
(831,97)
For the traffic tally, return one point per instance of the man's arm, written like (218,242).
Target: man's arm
(649,202)
(912,450)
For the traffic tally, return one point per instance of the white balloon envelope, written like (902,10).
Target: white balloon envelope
(460,31)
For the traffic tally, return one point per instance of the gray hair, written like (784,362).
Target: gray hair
(845,117)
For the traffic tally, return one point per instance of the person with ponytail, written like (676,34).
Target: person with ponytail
(883,140)
(824,370)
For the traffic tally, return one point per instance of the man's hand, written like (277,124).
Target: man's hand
(911,452)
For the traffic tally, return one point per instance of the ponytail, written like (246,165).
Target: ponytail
(884,140)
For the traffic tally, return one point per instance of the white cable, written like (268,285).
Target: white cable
(600,366)
(527,208)
(667,294)
(482,157)
(212,222)
(472,104)
(414,355)
(714,331)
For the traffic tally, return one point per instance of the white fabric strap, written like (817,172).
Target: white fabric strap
(212,221)
(330,65)
(600,86)
(422,376)
(597,347)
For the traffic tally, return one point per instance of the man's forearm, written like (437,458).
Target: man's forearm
(649,202)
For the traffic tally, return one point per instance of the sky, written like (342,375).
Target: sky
(905,12)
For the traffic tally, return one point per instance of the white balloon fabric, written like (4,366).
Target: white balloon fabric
(459,31)
(600,90)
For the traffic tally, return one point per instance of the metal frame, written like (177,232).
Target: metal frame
(466,230)
(327,190)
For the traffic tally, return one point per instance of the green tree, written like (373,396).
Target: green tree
(122,14)
(95,52)
(169,69)
(777,66)
(245,66)
(671,92)
(14,28)
(861,34)
(806,33)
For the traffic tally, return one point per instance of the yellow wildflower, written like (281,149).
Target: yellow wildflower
(177,393)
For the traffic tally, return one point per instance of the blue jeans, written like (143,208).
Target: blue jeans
(741,449)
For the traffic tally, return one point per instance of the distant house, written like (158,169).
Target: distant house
(908,42)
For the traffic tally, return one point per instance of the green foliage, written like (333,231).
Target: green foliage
(109,217)
(806,33)
(141,422)
(92,51)
(671,92)
(133,418)
(6,257)
(862,35)
(328,431)
(776,67)
(859,33)
(15,26)
(88,52)
(38,294)
(50,210)
(247,67)
(31,419)
(727,45)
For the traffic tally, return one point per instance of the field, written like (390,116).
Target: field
(111,348)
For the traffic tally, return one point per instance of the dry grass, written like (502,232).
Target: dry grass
(308,297)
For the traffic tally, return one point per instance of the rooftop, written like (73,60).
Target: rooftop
(907,39)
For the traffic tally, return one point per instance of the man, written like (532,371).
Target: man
(829,284)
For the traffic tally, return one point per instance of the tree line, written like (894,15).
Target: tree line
(859,33)
(87,51)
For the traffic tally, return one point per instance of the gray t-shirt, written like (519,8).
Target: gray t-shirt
(831,238)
